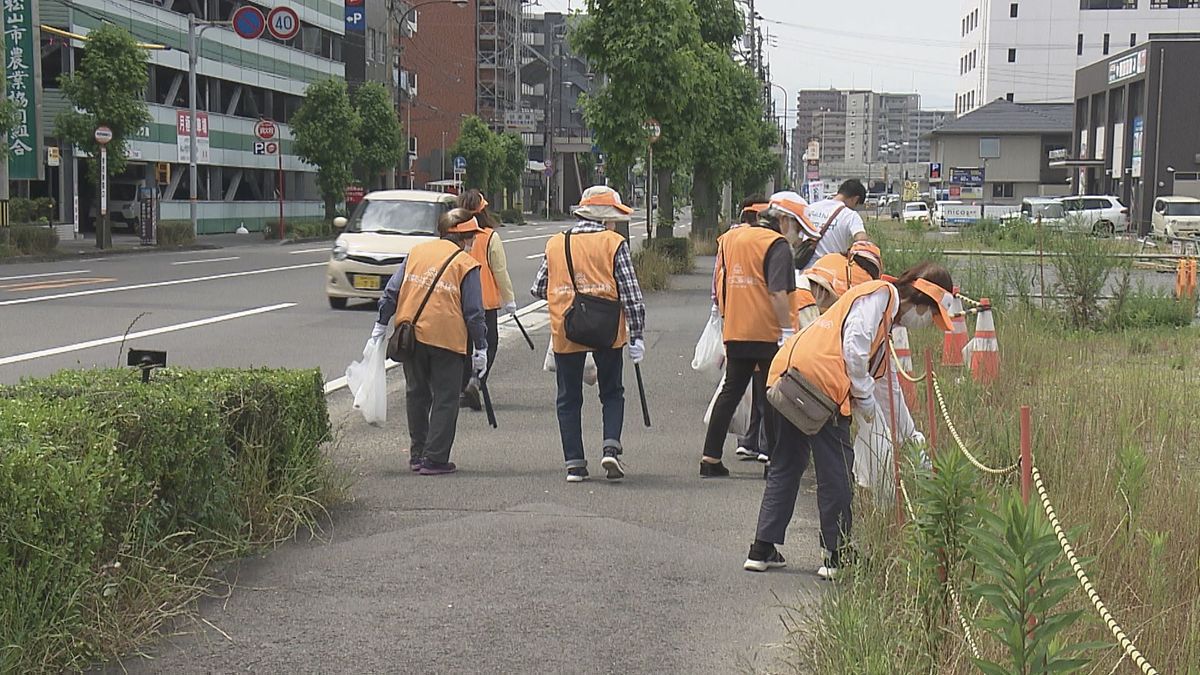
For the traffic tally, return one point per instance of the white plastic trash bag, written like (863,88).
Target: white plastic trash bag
(710,349)
(549,365)
(739,425)
(873,457)
(367,380)
(589,366)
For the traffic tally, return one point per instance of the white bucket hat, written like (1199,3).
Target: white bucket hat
(792,205)
(601,203)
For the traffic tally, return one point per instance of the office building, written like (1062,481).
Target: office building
(1028,50)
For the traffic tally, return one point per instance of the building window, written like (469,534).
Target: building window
(1106,36)
(1008,97)
(1012,55)
(989,148)
(1111,4)
(1079,46)
(1174,4)
(1133,39)
(1002,190)
(1012,11)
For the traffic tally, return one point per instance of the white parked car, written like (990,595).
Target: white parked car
(939,213)
(1176,217)
(1097,214)
(373,243)
(1048,209)
(915,211)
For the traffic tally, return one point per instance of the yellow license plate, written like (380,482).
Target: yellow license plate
(366,282)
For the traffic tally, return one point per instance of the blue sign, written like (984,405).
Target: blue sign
(460,163)
(248,22)
(356,16)
(972,177)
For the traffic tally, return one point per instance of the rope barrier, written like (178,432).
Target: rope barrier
(1127,644)
(937,389)
(900,368)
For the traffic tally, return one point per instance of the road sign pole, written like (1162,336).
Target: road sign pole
(103,233)
(279,152)
(650,192)
(193,183)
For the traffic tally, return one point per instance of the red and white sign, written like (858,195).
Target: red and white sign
(266,130)
(183,128)
(103,135)
(283,23)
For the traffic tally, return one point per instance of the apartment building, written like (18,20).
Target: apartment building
(1029,50)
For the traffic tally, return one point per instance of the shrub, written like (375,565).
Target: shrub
(903,252)
(38,210)
(1149,308)
(704,243)
(118,496)
(1083,273)
(512,216)
(299,229)
(653,269)
(1015,235)
(29,239)
(175,233)
(677,251)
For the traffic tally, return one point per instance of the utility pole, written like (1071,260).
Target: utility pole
(196,28)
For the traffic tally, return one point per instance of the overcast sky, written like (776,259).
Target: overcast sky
(885,45)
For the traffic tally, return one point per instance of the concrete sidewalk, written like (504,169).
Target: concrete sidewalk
(505,567)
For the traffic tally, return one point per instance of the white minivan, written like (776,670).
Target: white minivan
(1176,217)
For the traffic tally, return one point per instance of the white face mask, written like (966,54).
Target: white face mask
(913,319)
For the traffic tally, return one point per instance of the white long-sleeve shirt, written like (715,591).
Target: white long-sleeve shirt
(859,332)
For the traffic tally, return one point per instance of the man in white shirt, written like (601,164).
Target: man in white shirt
(847,226)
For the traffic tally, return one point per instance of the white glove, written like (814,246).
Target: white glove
(511,308)
(917,438)
(785,335)
(380,330)
(716,312)
(637,350)
(865,410)
(479,363)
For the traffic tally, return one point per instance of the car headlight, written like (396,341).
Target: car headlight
(340,251)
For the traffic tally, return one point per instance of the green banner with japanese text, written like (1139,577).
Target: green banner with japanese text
(22,59)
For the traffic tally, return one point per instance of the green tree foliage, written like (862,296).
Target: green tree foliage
(106,89)
(380,134)
(8,121)
(495,162)
(513,161)
(326,128)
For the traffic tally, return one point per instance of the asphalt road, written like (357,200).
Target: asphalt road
(257,304)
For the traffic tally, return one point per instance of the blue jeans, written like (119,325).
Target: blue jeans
(609,369)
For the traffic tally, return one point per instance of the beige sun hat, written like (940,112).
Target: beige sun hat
(601,203)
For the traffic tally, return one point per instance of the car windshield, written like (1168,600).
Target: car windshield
(397,217)
(1049,210)
(122,192)
(1183,208)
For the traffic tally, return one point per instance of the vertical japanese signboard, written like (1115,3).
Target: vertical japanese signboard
(183,127)
(22,66)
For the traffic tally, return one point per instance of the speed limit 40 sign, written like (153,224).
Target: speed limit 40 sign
(283,23)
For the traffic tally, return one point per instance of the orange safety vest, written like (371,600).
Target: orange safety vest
(742,293)
(592,254)
(441,323)
(817,352)
(487,278)
(838,273)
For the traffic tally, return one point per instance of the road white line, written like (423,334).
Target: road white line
(535,256)
(206,260)
(30,356)
(323,249)
(539,236)
(507,322)
(157,284)
(45,274)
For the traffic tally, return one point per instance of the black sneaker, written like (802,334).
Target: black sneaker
(577,474)
(713,470)
(612,464)
(763,557)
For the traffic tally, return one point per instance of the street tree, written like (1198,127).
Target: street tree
(326,129)
(476,145)
(9,119)
(380,134)
(511,166)
(107,88)
(647,50)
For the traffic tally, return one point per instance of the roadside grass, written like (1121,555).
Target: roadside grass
(1113,438)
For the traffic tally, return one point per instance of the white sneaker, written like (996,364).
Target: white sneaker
(746,453)
(763,458)
(827,573)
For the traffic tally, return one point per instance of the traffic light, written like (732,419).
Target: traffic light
(162,173)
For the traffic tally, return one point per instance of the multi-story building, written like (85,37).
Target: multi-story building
(551,121)
(498,48)
(1028,50)
(238,82)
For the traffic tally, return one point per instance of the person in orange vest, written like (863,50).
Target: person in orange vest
(498,294)
(602,267)
(450,322)
(755,277)
(842,354)
(830,277)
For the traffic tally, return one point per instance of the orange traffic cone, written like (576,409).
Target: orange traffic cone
(904,356)
(984,348)
(956,339)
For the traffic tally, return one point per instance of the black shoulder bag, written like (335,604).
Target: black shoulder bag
(404,339)
(808,248)
(591,321)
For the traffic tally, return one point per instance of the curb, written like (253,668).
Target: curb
(99,253)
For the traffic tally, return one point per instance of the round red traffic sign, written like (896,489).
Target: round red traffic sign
(653,129)
(266,130)
(283,23)
(248,22)
(103,135)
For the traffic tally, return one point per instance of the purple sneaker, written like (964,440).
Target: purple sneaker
(415,464)
(431,468)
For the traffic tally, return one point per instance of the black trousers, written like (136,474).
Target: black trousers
(739,374)
(490,317)
(431,396)
(833,453)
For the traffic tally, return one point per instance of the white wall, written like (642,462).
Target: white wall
(1045,35)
